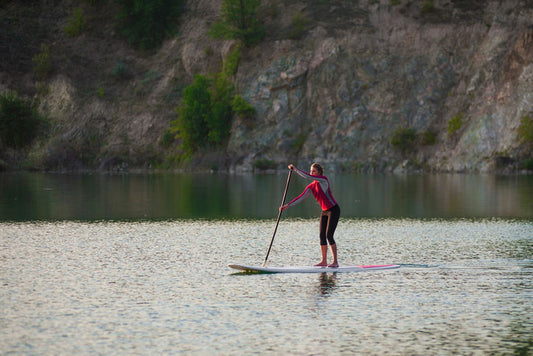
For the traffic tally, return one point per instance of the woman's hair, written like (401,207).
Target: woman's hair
(318,167)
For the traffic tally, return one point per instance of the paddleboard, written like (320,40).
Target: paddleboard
(311,269)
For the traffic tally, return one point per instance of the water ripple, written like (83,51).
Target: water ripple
(465,287)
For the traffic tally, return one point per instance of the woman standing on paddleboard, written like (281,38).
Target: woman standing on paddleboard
(320,188)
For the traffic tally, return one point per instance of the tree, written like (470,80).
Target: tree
(239,20)
(191,125)
(204,116)
(219,122)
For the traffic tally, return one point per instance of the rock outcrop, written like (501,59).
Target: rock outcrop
(338,95)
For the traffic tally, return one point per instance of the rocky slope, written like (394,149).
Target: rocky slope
(335,91)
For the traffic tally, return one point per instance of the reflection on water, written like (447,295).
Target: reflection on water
(327,283)
(35,196)
(133,288)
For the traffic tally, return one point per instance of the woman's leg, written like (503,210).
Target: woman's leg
(335,263)
(333,220)
(324,253)
(323,240)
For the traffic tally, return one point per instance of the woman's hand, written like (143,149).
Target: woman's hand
(283,208)
(291,167)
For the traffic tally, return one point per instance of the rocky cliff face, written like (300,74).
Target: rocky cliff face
(334,92)
(339,94)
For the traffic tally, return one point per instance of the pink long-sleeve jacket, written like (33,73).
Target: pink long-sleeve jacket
(320,189)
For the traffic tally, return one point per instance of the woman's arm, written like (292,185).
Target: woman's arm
(305,175)
(296,200)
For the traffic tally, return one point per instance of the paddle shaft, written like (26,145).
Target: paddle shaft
(279,216)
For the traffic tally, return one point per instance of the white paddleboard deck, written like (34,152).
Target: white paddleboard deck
(311,269)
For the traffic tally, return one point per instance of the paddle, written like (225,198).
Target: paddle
(279,216)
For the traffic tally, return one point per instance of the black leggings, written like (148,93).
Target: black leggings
(328,224)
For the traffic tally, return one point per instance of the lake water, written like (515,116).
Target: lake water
(136,265)
(28,197)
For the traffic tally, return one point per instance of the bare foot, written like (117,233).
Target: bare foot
(322,264)
(334,265)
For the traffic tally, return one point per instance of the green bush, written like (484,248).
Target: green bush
(76,23)
(146,23)
(239,21)
(241,107)
(525,130)
(191,125)
(204,116)
(42,65)
(404,139)
(231,62)
(167,139)
(298,25)
(207,108)
(455,124)
(20,123)
(219,121)
(428,138)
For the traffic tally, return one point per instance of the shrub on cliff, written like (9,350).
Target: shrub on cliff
(219,122)
(455,124)
(299,24)
(231,62)
(239,21)
(191,125)
(42,65)
(20,123)
(404,139)
(204,116)
(525,131)
(146,23)
(428,138)
(241,107)
(76,24)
